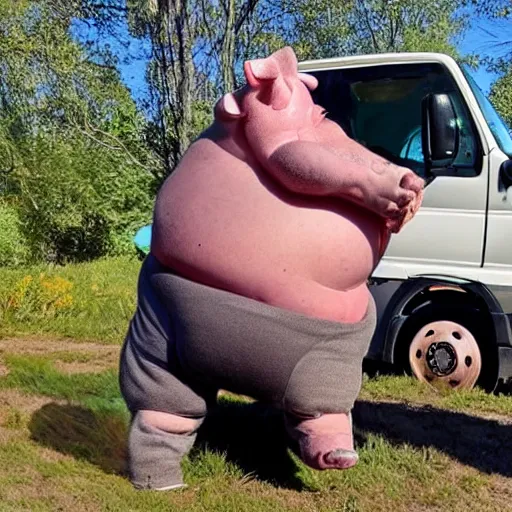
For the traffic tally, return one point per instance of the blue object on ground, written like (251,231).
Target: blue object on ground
(142,239)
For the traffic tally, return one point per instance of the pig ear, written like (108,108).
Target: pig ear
(227,108)
(259,70)
(287,61)
(280,63)
(309,80)
(264,74)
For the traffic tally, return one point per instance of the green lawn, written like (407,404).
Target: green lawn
(63,424)
(88,301)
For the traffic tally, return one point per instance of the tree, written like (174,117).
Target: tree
(500,52)
(336,28)
(501,96)
(500,40)
(194,49)
(197,48)
(71,135)
(173,27)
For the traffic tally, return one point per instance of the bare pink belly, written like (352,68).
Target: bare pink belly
(309,256)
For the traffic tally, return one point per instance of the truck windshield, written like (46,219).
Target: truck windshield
(499,129)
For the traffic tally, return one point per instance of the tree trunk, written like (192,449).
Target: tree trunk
(176,29)
(228,47)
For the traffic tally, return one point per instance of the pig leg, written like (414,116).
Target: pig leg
(156,445)
(321,393)
(166,414)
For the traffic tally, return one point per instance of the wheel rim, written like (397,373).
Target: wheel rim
(445,354)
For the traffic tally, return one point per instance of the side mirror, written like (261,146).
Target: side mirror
(439,133)
(506,180)
(506,173)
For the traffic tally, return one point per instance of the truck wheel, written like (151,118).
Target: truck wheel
(445,354)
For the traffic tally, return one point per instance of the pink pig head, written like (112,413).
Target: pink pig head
(275,105)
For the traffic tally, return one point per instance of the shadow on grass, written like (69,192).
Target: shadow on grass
(253,437)
(82,433)
(484,444)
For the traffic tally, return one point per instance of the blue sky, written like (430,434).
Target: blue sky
(482,37)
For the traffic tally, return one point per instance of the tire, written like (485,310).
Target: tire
(448,346)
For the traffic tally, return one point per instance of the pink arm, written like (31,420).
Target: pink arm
(310,168)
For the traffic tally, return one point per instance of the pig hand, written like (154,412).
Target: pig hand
(393,192)
(395,225)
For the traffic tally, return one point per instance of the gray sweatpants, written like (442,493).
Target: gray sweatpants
(187,340)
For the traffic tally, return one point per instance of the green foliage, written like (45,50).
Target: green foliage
(77,155)
(80,199)
(13,246)
(88,301)
(499,45)
(333,29)
(72,138)
(435,37)
(501,96)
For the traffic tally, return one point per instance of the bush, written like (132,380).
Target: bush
(13,245)
(80,201)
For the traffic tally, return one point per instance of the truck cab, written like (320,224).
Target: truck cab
(444,286)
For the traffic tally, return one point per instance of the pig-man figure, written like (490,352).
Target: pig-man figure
(263,241)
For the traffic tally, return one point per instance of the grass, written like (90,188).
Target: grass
(88,301)
(63,441)
(38,376)
(63,426)
(410,390)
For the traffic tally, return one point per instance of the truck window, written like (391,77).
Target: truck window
(380,107)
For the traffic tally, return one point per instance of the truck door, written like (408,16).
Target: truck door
(497,271)
(380,107)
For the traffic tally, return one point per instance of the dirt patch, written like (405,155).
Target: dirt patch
(75,367)
(4,371)
(9,435)
(501,491)
(39,346)
(16,408)
(67,356)
(11,399)
(37,490)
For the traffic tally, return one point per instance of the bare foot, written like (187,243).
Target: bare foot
(325,442)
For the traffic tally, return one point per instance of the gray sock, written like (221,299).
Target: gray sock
(154,456)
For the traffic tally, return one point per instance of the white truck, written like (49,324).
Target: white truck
(444,287)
